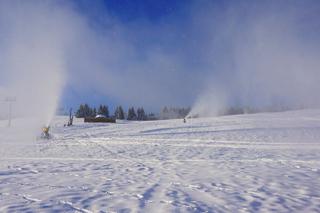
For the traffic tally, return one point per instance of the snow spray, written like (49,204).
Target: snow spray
(35,38)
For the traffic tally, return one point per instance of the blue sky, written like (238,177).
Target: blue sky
(201,53)
(150,15)
(199,41)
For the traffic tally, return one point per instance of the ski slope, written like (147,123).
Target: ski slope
(267,162)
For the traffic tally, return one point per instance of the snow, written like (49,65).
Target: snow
(245,163)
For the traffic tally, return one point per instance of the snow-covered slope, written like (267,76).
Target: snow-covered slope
(268,162)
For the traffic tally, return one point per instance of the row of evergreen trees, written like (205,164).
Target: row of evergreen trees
(140,115)
(86,111)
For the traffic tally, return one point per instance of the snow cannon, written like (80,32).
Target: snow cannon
(45,132)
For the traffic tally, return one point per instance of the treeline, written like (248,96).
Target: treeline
(86,111)
(253,110)
(131,114)
(237,110)
(140,115)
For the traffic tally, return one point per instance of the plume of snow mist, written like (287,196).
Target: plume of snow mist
(265,59)
(210,103)
(34,39)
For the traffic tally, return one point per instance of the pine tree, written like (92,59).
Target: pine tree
(138,114)
(80,112)
(85,111)
(94,112)
(103,110)
(116,113)
(132,114)
(119,113)
(165,110)
(141,115)
(129,116)
(100,110)
(106,111)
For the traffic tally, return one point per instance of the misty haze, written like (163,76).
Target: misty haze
(159,106)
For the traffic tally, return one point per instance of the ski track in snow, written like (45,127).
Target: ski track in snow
(267,162)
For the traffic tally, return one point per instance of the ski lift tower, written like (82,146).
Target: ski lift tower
(10,101)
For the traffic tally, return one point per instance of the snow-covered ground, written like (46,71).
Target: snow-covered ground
(266,162)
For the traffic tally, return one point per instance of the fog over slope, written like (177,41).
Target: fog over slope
(262,55)
(35,36)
